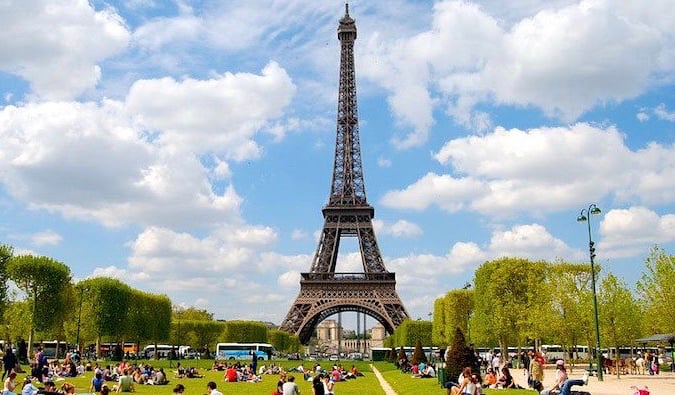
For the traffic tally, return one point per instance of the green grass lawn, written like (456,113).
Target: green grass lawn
(367,385)
(403,384)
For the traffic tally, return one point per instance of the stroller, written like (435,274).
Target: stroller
(640,391)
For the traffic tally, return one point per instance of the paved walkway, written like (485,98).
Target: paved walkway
(383,383)
(662,384)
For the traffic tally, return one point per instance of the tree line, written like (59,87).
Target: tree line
(519,302)
(49,305)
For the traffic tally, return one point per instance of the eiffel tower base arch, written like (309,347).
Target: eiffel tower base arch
(320,299)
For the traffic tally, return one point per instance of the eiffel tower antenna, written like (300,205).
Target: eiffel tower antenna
(323,292)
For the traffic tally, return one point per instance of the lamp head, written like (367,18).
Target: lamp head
(595,210)
(582,218)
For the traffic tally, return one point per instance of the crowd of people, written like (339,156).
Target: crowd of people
(126,376)
(498,376)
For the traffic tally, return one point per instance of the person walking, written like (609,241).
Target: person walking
(9,361)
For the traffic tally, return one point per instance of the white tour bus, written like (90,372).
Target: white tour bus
(233,351)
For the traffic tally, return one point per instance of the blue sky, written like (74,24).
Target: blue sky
(186,147)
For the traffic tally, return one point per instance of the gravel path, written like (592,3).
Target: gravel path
(383,383)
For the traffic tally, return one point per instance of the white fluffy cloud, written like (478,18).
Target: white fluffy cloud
(68,36)
(563,60)
(542,170)
(627,231)
(219,114)
(532,241)
(139,161)
(164,252)
(399,229)
(48,237)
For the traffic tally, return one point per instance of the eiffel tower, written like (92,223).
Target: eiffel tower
(323,292)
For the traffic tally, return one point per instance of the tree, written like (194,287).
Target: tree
(656,290)
(438,335)
(619,313)
(459,356)
(105,311)
(17,319)
(505,298)
(44,280)
(245,331)
(572,309)
(454,310)
(418,354)
(6,253)
(412,330)
(192,314)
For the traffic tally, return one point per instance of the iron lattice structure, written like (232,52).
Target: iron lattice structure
(323,292)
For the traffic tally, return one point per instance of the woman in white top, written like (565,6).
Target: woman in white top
(328,386)
(10,385)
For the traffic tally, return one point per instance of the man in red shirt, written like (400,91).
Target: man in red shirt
(231,374)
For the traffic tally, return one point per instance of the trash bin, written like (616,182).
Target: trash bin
(440,373)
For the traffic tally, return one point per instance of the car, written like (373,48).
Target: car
(333,357)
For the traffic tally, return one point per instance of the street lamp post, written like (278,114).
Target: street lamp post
(585,216)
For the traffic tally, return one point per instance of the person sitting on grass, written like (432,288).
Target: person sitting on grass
(506,380)
(50,389)
(28,387)
(211,389)
(68,388)
(290,388)
(125,383)
(96,383)
(10,385)
(231,374)
(179,389)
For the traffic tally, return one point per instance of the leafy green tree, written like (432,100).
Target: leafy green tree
(572,305)
(619,314)
(451,311)
(412,330)
(6,253)
(505,298)
(656,290)
(245,331)
(438,335)
(192,314)
(106,309)
(17,319)
(294,344)
(159,318)
(279,339)
(44,280)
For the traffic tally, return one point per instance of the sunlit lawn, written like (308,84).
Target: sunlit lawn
(405,384)
(402,383)
(367,385)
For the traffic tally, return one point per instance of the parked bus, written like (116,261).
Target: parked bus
(243,350)
(163,351)
(554,352)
